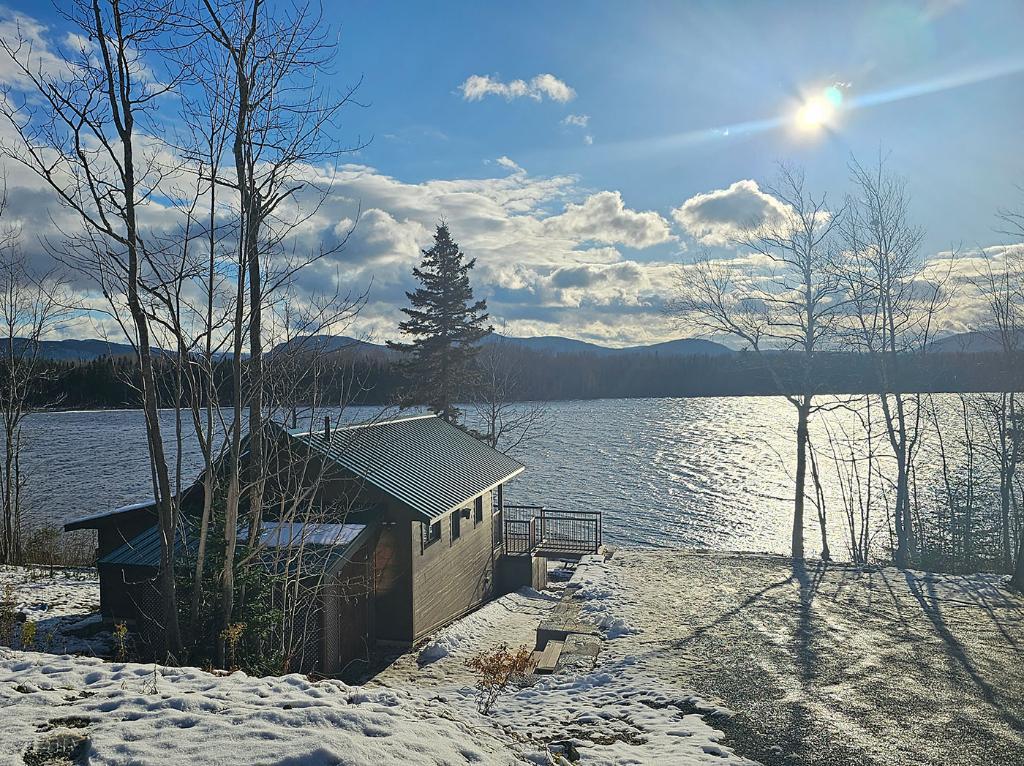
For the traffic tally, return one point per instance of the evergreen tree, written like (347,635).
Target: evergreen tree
(445,326)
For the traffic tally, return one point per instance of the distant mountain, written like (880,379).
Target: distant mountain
(89,349)
(973,342)
(682,347)
(332,344)
(550,344)
(554,344)
(75,350)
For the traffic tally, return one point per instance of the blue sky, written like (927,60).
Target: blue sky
(647,72)
(658,102)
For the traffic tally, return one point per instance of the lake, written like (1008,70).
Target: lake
(709,472)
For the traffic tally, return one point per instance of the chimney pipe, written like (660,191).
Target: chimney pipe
(327,427)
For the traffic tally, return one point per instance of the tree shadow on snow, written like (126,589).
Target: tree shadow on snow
(957,653)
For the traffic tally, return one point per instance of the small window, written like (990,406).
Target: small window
(478,510)
(456,525)
(431,533)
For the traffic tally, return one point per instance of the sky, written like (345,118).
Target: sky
(582,151)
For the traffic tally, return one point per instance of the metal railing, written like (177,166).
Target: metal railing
(530,529)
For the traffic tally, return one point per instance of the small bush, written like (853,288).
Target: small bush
(498,671)
(121,642)
(28,635)
(47,545)
(8,615)
(231,636)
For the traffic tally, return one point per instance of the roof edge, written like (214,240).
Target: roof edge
(96,520)
(371,424)
(461,503)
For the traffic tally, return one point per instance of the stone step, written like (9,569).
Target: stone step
(556,630)
(548,660)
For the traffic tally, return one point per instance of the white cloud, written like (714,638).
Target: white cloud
(722,216)
(604,217)
(588,139)
(476,87)
(576,120)
(509,164)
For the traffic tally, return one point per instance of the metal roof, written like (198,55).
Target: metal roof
(144,549)
(425,462)
(303,556)
(96,519)
(275,534)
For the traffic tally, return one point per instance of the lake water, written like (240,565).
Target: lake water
(711,472)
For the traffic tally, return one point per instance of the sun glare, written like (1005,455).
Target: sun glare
(820,111)
(813,114)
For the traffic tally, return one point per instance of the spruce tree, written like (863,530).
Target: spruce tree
(444,325)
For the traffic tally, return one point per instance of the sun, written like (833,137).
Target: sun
(814,114)
(819,111)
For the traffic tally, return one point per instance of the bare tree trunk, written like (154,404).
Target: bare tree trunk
(1017,581)
(794,309)
(803,414)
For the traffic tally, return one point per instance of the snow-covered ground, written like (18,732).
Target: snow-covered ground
(142,714)
(833,663)
(63,603)
(422,710)
(819,664)
(618,712)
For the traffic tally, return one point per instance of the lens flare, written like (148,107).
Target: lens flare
(815,113)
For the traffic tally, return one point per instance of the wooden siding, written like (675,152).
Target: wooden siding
(348,627)
(392,567)
(451,578)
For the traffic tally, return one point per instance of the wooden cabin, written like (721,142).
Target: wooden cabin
(408,534)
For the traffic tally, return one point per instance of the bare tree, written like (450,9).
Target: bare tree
(790,303)
(280,124)
(893,306)
(509,424)
(1002,285)
(32,305)
(854,458)
(80,134)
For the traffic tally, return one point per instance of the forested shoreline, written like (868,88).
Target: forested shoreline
(113,382)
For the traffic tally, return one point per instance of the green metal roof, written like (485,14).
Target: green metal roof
(428,464)
(143,550)
(313,553)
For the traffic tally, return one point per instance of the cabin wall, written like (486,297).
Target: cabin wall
(348,616)
(392,577)
(112,533)
(451,578)
(342,497)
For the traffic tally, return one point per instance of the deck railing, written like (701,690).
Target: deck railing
(533,529)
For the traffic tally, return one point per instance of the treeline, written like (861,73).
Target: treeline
(113,382)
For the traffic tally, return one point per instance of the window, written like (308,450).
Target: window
(456,524)
(478,510)
(431,533)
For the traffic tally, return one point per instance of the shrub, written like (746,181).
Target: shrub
(28,635)
(121,642)
(8,615)
(231,635)
(498,671)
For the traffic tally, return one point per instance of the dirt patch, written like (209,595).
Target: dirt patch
(62,748)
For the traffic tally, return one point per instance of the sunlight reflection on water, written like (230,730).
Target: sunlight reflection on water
(712,472)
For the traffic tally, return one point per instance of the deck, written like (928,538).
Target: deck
(533,530)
